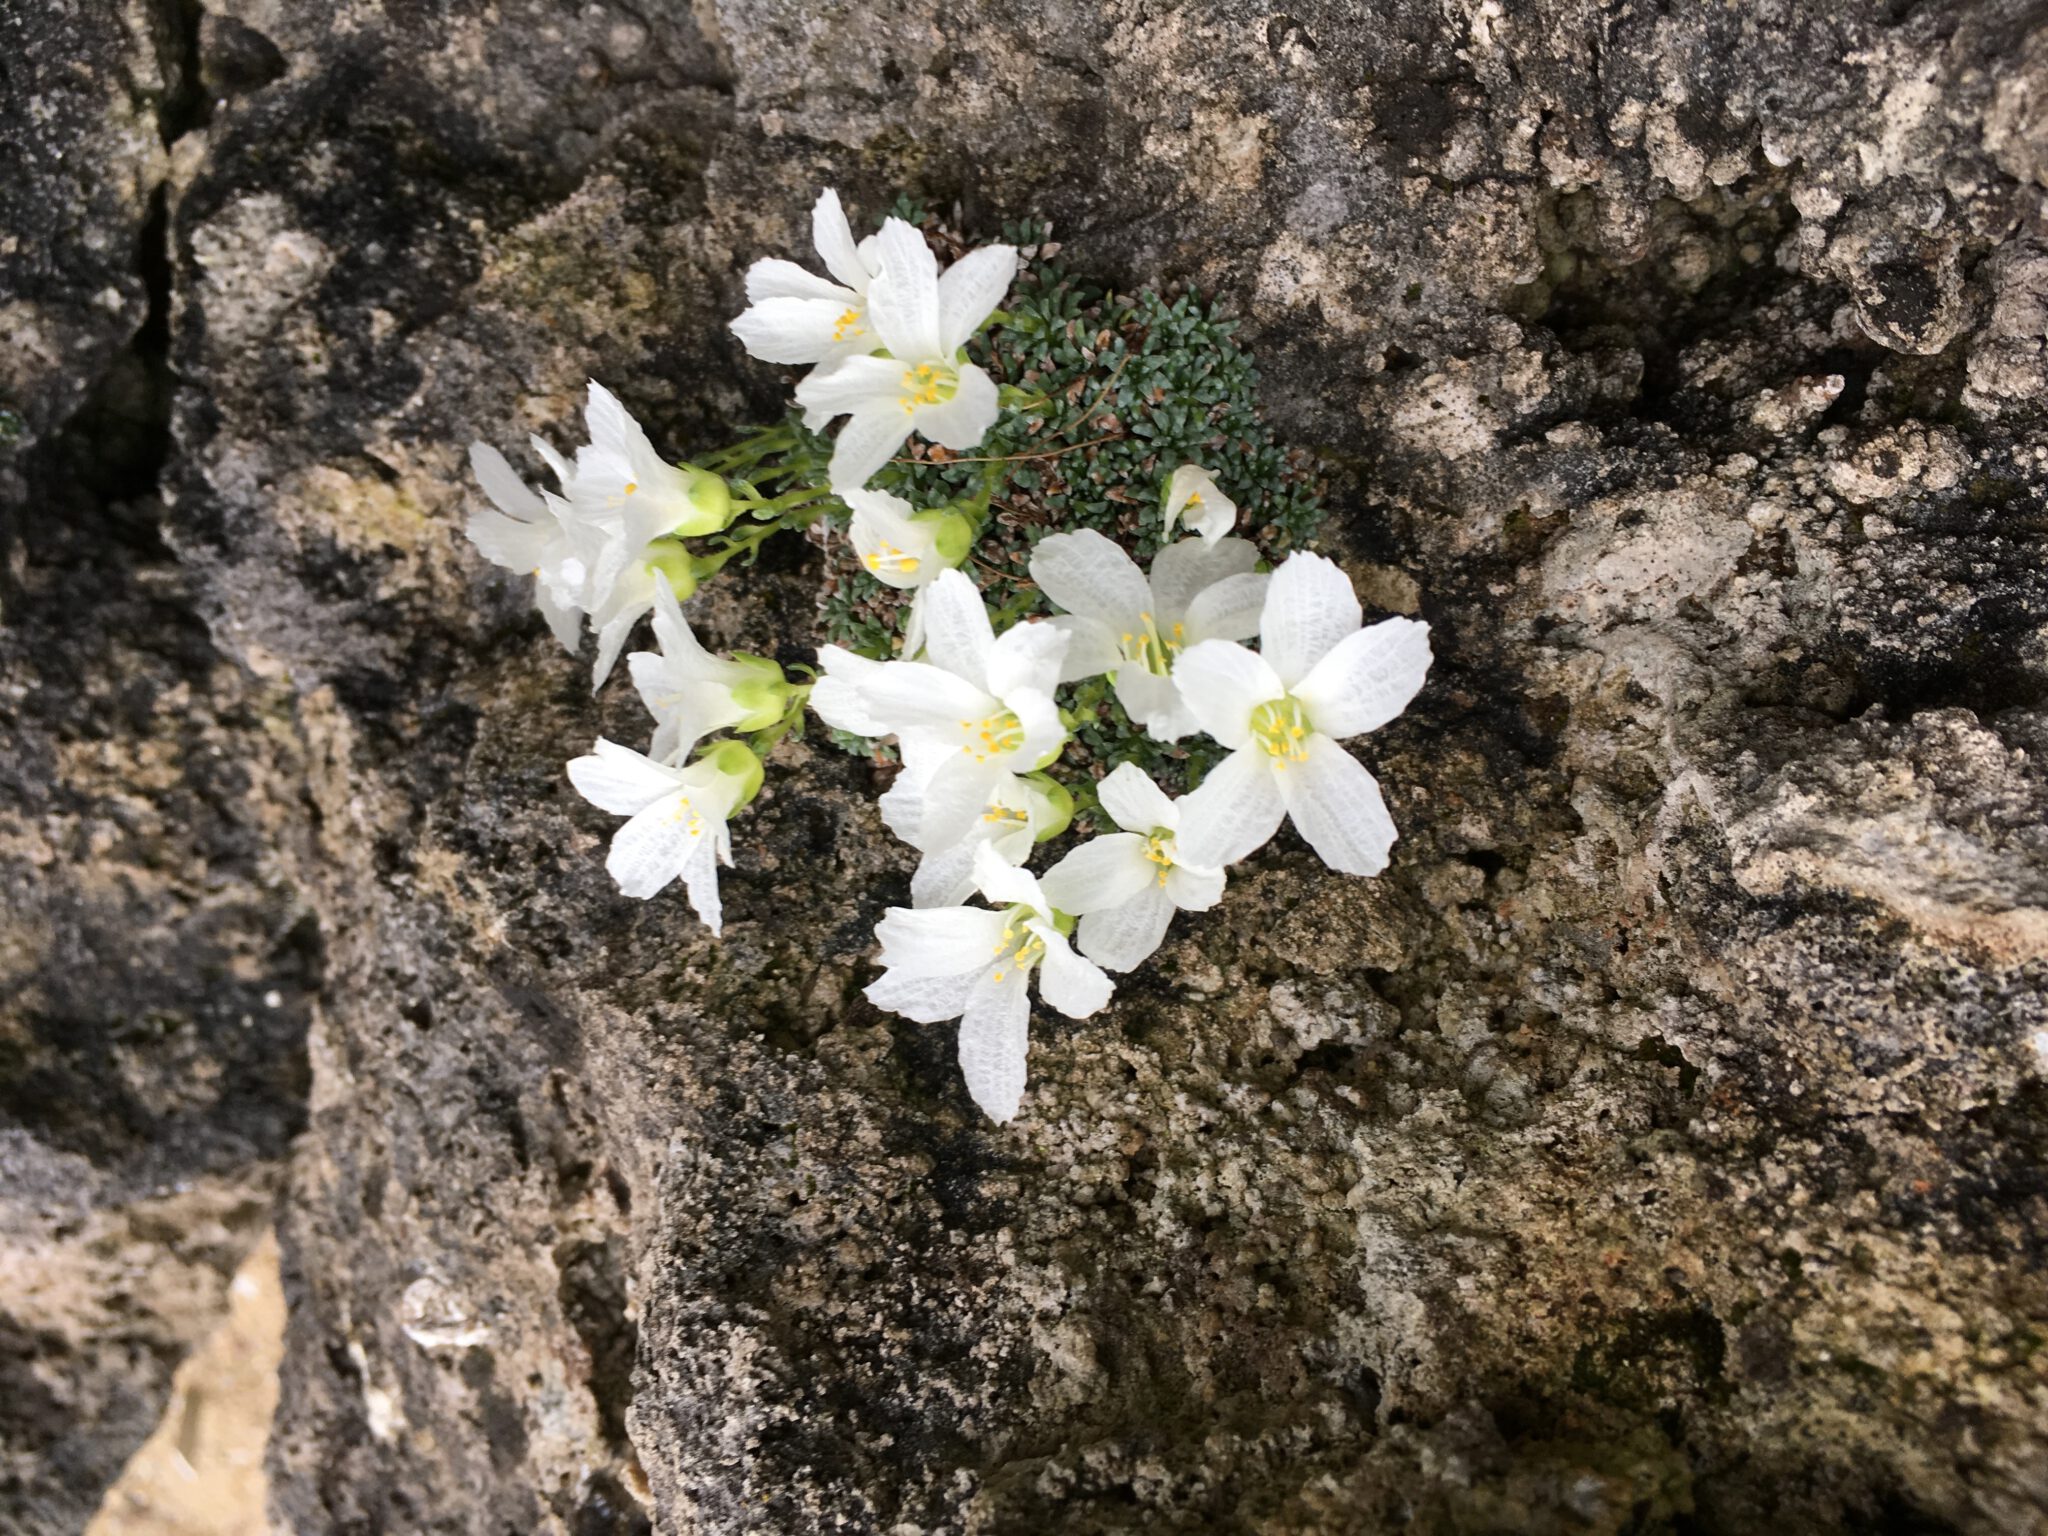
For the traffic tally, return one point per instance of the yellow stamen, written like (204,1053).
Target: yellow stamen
(927,385)
(1150,649)
(992,736)
(1281,727)
(895,559)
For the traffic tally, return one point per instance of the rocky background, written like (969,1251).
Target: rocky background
(1661,1145)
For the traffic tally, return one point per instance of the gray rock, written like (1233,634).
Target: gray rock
(1656,1146)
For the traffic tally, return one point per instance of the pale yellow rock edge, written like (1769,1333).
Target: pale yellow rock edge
(200,1473)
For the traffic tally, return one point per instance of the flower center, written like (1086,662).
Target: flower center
(1152,650)
(1020,948)
(848,324)
(681,812)
(1281,727)
(1003,816)
(928,384)
(992,735)
(889,557)
(1159,850)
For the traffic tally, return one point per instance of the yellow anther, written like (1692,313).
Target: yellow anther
(895,559)
(1280,726)
(927,385)
(994,735)
(848,324)
(1150,650)
(632,486)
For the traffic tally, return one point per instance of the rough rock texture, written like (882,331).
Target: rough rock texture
(1659,1146)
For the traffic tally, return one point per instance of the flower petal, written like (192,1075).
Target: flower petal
(903,300)
(1044,731)
(1228,609)
(1192,489)
(1235,810)
(1336,807)
(833,238)
(923,999)
(957,633)
(963,421)
(1309,608)
(1134,802)
(938,941)
(1005,883)
(502,484)
(564,619)
(618,779)
(1090,575)
(995,1037)
(949,804)
(700,878)
(970,290)
(773,278)
(789,330)
(945,876)
(1123,938)
(1026,656)
(1367,678)
(1223,683)
(850,384)
(869,440)
(511,542)
(1194,890)
(1155,703)
(652,849)
(1103,872)
(1075,986)
(1180,571)
(915,695)
(611,638)
(836,696)
(1091,649)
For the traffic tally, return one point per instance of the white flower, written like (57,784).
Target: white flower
(1126,886)
(692,693)
(1193,496)
(900,547)
(979,711)
(678,816)
(794,316)
(530,533)
(925,384)
(627,502)
(1317,679)
(975,965)
(620,478)
(1020,813)
(1134,627)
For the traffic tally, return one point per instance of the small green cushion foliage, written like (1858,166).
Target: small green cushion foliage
(1110,393)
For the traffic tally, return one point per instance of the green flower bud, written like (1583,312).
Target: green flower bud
(736,760)
(952,535)
(1062,806)
(677,564)
(765,695)
(710,501)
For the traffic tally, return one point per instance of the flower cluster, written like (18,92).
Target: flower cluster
(978,703)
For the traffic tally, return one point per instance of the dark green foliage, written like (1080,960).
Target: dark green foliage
(1117,390)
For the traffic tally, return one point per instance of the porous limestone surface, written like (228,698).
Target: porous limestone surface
(1657,1146)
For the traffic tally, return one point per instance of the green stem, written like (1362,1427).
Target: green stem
(766,741)
(796,511)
